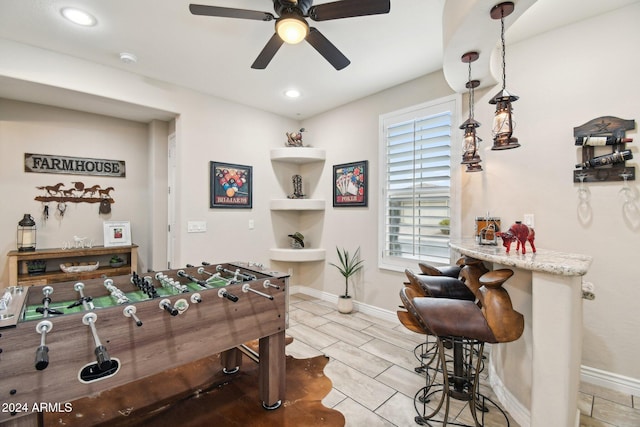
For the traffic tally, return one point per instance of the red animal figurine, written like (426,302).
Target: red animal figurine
(520,233)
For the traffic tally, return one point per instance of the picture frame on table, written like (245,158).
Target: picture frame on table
(350,184)
(117,233)
(230,186)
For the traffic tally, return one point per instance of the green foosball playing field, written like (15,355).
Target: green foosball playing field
(109,301)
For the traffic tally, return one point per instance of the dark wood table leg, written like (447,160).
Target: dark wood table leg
(272,370)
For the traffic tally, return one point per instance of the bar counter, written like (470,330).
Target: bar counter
(536,378)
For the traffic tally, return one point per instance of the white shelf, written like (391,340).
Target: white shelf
(298,154)
(297,255)
(298,204)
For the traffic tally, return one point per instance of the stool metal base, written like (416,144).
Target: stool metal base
(458,378)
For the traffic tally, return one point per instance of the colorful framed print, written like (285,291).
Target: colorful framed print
(230,185)
(117,233)
(350,184)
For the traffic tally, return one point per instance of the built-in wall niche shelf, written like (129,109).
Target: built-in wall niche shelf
(604,153)
(298,154)
(297,204)
(297,255)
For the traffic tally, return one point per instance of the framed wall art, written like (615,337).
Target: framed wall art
(350,184)
(230,185)
(117,233)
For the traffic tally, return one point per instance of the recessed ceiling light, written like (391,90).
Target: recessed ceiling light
(292,93)
(79,17)
(128,58)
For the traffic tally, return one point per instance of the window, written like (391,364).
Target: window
(416,173)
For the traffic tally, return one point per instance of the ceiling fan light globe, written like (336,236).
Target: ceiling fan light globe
(292,30)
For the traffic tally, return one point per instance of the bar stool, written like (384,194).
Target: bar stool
(467,327)
(471,272)
(449,270)
(437,286)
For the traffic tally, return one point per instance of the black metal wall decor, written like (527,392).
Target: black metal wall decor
(78,192)
(604,154)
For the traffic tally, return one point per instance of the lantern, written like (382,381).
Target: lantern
(26,238)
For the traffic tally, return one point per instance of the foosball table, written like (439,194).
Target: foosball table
(75,339)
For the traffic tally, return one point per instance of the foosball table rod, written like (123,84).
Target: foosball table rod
(182,273)
(45,310)
(102,356)
(218,276)
(247,288)
(130,311)
(236,273)
(268,284)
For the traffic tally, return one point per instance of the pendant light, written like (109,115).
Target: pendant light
(470,156)
(503,123)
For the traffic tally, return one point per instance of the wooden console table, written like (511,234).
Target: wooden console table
(536,378)
(18,274)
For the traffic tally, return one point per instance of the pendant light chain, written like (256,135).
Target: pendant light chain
(504,62)
(471,100)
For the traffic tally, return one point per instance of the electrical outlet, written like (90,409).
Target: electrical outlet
(528,220)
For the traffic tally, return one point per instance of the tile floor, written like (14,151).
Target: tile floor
(372,370)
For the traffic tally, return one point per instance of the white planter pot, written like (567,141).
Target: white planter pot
(345,305)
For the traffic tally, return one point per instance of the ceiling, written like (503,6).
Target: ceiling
(213,55)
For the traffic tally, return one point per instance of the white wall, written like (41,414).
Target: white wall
(206,128)
(564,78)
(38,129)
(350,133)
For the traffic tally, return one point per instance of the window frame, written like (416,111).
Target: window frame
(450,103)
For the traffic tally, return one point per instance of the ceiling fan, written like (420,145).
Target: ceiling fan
(292,27)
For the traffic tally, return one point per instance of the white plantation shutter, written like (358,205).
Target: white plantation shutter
(417,184)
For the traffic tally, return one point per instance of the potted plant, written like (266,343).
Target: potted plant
(116,261)
(444,223)
(349,265)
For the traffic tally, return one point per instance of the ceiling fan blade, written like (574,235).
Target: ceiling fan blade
(348,9)
(327,49)
(268,52)
(227,12)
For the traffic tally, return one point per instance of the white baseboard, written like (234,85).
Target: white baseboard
(610,380)
(371,310)
(508,401)
(521,415)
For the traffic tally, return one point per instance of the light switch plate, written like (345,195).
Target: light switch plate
(528,220)
(196,226)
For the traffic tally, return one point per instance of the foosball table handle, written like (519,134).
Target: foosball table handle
(102,357)
(222,293)
(165,304)
(42,352)
(42,357)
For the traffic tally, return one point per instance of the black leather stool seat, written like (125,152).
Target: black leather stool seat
(440,286)
(430,270)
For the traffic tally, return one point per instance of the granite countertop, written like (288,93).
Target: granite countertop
(548,261)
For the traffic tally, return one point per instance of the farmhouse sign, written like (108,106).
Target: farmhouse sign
(46,163)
